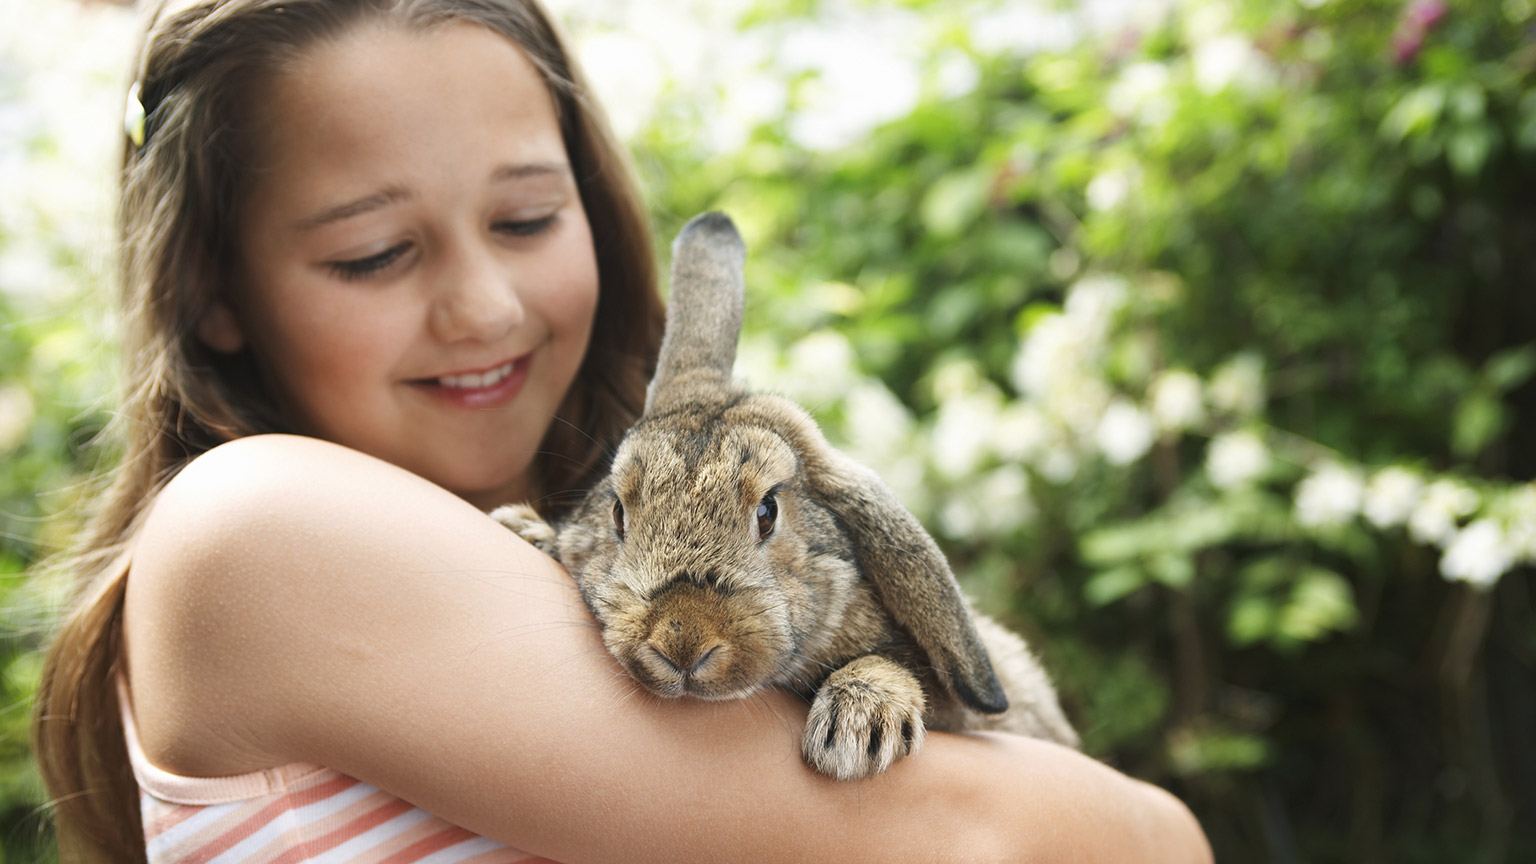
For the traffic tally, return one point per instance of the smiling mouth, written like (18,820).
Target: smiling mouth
(476,380)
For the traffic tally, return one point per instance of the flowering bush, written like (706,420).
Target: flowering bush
(1200,332)
(1206,344)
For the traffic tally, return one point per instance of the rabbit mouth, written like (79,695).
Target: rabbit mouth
(695,640)
(672,665)
(674,670)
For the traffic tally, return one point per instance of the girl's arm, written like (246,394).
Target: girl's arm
(292,600)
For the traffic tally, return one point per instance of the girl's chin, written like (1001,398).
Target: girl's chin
(488,498)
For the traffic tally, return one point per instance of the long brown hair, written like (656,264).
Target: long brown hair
(180,193)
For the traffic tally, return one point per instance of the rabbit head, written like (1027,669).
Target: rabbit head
(730,547)
(715,577)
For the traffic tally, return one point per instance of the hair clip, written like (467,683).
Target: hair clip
(133,117)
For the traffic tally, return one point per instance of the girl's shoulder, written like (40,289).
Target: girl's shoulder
(263,569)
(241,472)
(263,497)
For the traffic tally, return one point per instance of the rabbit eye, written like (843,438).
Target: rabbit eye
(618,517)
(767,514)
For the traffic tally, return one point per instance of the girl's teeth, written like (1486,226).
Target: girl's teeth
(476,380)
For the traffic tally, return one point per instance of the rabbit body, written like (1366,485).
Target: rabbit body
(731,548)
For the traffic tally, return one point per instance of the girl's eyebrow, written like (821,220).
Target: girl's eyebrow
(530,169)
(395,194)
(367,203)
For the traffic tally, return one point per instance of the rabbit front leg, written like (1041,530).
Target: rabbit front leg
(525,522)
(867,714)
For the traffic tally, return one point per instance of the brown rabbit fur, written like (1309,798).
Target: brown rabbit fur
(731,548)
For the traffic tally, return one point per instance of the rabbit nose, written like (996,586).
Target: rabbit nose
(684,659)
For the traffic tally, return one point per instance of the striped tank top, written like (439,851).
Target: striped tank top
(292,814)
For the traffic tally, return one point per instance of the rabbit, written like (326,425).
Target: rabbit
(731,548)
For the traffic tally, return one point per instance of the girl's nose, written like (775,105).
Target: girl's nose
(478,299)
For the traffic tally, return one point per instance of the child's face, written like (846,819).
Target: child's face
(419,279)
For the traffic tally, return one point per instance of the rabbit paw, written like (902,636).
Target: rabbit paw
(866,715)
(524,521)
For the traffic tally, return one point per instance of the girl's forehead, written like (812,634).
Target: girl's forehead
(385,73)
(383,108)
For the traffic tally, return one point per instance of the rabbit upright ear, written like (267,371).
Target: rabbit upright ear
(913,578)
(705,306)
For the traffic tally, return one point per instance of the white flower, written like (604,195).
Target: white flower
(1331,496)
(1236,458)
(1024,28)
(1058,464)
(1176,400)
(1238,386)
(1522,523)
(1051,349)
(1141,93)
(876,423)
(1079,405)
(1055,366)
(958,518)
(1108,189)
(1092,304)
(1443,504)
(864,73)
(1230,60)
(1005,500)
(822,367)
(1061,351)
(1020,433)
(963,431)
(1477,554)
(907,475)
(1125,433)
(956,75)
(1390,497)
(628,71)
(1001,504)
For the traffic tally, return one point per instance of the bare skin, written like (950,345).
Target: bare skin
(293,600)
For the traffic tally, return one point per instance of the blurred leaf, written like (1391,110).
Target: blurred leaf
(1525,137)
(1201,751)
(1479,420)
(1175,571)
(1321,602)
(1285,603)
(1251,619)
(955,201)
(1468,148)
(1107,586)
(1510,369)
(1415,114)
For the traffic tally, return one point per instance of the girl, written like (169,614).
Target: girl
(384,268)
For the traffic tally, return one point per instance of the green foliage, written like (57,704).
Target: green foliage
(1317,225)
(51,374)
(1204,345)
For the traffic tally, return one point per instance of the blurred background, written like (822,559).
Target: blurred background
(1201,332)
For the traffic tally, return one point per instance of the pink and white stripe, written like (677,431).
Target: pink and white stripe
(295,814)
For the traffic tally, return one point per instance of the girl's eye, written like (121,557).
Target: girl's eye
(362,268)
(527,228)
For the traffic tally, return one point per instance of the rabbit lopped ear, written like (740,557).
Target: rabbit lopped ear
(704,309)
(913,578)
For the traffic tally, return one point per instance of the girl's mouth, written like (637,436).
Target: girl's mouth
(488,389)
(477,380)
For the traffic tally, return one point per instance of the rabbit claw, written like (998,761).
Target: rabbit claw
(525,522)
(866,715)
